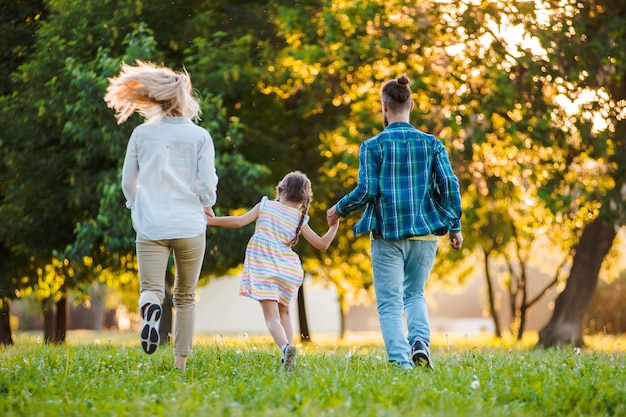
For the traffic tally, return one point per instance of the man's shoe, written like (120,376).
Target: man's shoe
(149,335)
(420,354)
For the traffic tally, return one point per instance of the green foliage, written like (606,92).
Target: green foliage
(584,64)
(67,150)
(238,378)
(55,156)
(296,86)
(20,20)
(232,59)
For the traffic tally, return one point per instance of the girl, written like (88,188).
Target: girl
(272,271)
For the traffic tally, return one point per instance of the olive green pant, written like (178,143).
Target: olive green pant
(152,258)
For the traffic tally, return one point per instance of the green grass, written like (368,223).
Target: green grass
(109,375)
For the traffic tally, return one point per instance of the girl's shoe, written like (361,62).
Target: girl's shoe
(149,335)
(289,359)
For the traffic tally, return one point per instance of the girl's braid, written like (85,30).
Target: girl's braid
(304,210)
(296,186)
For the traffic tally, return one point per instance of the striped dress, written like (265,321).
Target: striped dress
(271,269)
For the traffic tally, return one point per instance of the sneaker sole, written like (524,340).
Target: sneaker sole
(149,336)
(290,359)
(420,358)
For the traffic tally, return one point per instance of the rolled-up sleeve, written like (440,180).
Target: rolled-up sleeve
(367,186)
(449,190)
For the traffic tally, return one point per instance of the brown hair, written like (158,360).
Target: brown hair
(153,91)
(296,187)
(396,93)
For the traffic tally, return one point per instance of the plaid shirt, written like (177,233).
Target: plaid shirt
(407,184)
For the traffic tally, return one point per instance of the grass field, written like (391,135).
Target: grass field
(107,374)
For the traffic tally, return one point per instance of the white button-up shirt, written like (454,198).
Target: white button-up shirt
(168,177)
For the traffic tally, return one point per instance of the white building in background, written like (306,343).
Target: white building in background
(454,309)
(221,310)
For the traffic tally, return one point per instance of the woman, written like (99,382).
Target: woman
(170,185)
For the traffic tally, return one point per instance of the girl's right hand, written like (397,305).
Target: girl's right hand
(332,216)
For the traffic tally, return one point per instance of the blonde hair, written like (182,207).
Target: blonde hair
(296,187)
(153,91)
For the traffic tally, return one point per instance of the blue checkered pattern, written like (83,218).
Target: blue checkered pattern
(407,184)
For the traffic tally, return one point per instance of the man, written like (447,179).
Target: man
(411,195)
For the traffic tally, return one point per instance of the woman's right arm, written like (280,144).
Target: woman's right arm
(235,222)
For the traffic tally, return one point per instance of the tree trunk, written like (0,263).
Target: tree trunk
(523,306)
(49,320)
(62,318)
(492,298)
(6,337)
(522,321)
(165,327)
(342,318)
(305,337)
(55,319)
(565,326)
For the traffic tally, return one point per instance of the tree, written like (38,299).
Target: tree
(336,55)
(565,326)
(67,150)
(573,171)
(586,63)
(296,86)
(19,23)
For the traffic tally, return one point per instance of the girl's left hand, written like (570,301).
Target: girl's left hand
(208,212)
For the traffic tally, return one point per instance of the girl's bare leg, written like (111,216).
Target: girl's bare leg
(285,320)
(279,325)
(273,321)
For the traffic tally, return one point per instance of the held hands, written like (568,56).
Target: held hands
(208,212)
(456,238)
(332,216)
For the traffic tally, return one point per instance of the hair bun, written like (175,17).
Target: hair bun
(403,80)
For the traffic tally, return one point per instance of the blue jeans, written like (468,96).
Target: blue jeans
(401,269)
